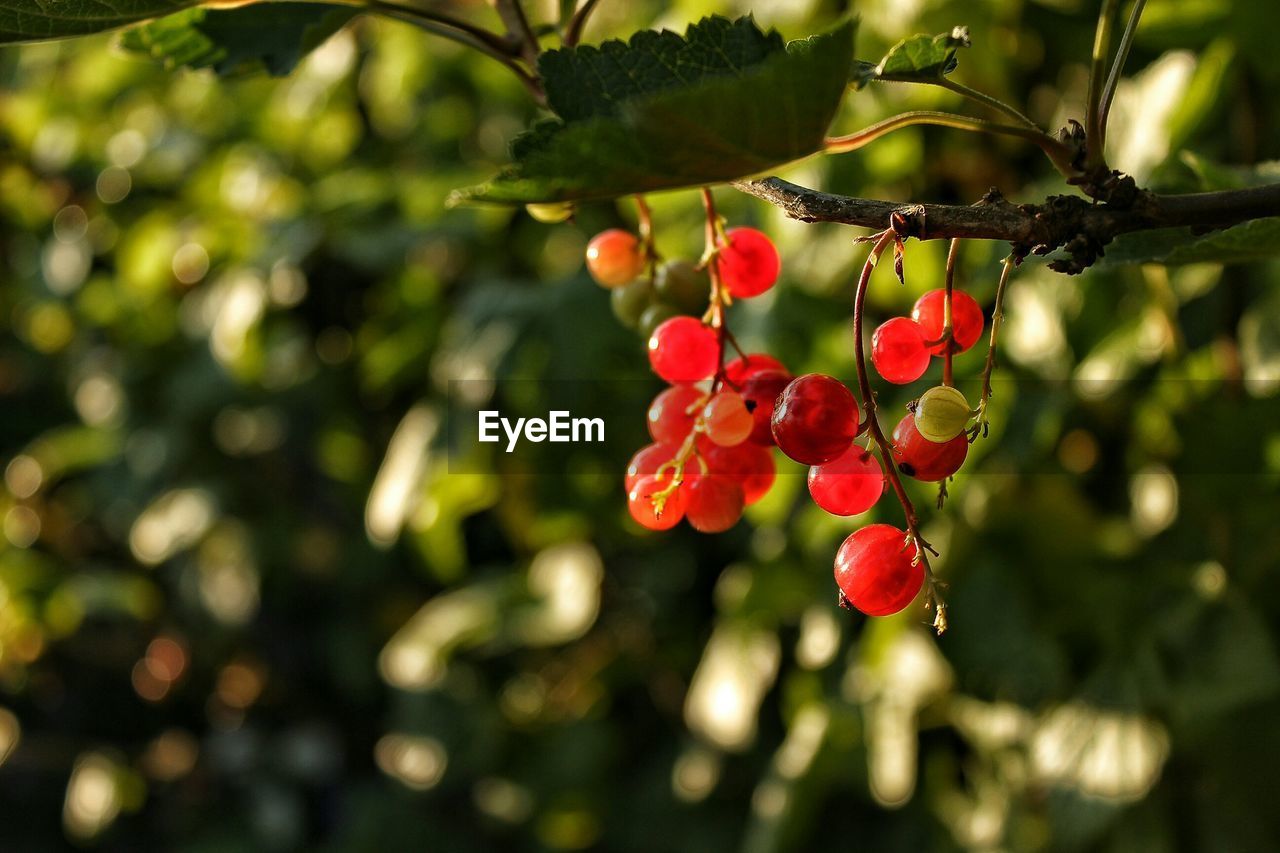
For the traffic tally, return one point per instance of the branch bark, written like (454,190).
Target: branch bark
(1072,223)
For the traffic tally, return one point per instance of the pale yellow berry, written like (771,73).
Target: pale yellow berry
(942,413)
(550,213)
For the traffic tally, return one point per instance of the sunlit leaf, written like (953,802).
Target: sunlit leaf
(916,59)
(664,112)
(34,20)
(278,35)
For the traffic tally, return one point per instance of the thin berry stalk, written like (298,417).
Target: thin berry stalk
(933,598)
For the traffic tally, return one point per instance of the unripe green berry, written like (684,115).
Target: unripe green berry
(654,316)
(630,301)
(550,213)
(681,284)
(942,413)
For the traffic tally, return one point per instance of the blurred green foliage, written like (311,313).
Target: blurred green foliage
(251,600)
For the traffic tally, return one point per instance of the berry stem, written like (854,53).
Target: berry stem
(933,597)
(715,318)
(719,296)
(648,244)
(997,316)
(948,351)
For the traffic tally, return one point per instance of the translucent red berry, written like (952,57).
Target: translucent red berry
(848,485)
(727,419)
(874,570)
(750,465)
(672,413)
(640,503)
(647,461)
(714,503)
(761,393)
(614,257)
(815,419)
(749,263)
(918,457)
(744,367)
(683,349)
(966,319)
(898,351)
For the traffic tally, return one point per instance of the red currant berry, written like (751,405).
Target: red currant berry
(898,351)
(749,263)
(815,419)
(672,413)
(614,258)
(647,461)
(714,503)
(761,392)
(744,367)
(727,419)
(966,319)
(848,485)
(683,349)
(930,461)
(750,465)
(640,503)
(875,572)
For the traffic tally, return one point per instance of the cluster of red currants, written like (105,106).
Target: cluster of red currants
(618,261)
(816,423)
(902,347)
(901,350)
(710,454)
(713,428)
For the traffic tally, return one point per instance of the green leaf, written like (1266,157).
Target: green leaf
(588,81)
(1217,176)
(36,20)
(1258,240)
(277,35)
(664,112)
(916,59)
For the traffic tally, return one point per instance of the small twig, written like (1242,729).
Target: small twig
(517,24)
(1057,152)
(933,598)
(1117,67)
(1094,127)
(503,46)
(1038,228)
(988,100)
(491,44)
(573,30)
(997,317)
